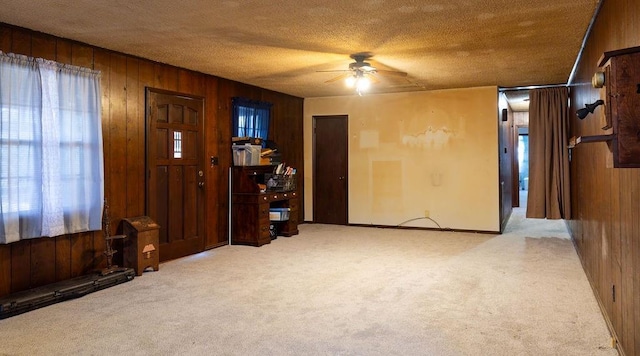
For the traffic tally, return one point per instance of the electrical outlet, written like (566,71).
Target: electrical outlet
(426,213)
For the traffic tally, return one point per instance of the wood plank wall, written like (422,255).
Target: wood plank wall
(32,263)
(606,201)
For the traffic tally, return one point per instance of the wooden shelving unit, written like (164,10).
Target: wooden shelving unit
(574,141)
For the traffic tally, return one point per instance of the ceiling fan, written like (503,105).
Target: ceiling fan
(361,73)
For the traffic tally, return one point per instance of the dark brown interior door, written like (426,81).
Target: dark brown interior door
(175,176)
(505,137)
(330,157)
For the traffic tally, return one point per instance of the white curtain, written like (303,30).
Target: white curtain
(51,170)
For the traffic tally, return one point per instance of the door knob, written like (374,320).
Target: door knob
(201,184)
(341,178)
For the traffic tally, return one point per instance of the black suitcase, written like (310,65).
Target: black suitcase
(35,298)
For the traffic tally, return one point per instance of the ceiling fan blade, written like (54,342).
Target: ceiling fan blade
(332,71)
(391,72)
(373,78)
(340,77)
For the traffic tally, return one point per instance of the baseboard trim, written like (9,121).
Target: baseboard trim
(417,228)
(426,228)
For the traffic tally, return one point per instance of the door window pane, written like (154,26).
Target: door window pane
(177,144)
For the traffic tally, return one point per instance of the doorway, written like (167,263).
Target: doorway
(330,168)
(523,164)
(175,175)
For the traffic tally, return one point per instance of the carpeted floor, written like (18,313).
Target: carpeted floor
(337,290)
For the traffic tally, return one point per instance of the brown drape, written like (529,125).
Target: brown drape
(548,154)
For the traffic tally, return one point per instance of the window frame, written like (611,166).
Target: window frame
(250,118)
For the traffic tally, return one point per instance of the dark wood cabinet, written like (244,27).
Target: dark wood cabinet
(250,207)
(622,100)
(620,82)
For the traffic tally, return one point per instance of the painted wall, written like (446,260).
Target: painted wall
(411,152)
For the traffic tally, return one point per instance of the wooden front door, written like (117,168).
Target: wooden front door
(330,159)
(175,175)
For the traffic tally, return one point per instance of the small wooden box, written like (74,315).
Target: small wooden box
(141,250)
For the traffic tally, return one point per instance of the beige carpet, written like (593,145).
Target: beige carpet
(336,290)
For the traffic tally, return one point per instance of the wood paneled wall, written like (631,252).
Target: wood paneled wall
(521,118)
(32,263)
(606,201)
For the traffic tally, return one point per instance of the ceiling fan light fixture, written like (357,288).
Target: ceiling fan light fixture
(363,83)
(350,81)
(360,81)
(361,75)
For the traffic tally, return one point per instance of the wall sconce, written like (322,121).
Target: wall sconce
(588,109)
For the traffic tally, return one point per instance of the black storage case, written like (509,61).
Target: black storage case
(35,298)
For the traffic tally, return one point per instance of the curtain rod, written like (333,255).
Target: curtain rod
(503,89)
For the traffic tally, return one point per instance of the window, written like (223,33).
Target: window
(51,169)
(177,144)
(250,118)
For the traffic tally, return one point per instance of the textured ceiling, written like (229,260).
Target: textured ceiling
(287,45)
